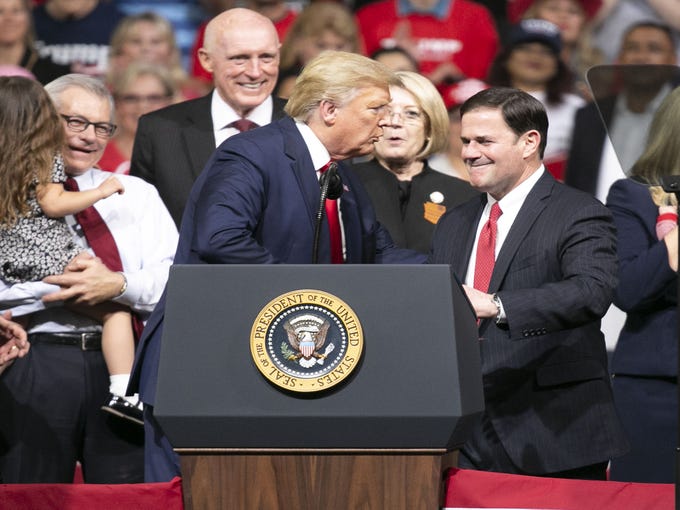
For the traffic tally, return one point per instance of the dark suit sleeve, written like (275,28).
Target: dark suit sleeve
(387,252)
(644,273)
(141,164)
(228,210)
(567,275)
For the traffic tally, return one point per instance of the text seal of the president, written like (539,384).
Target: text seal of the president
(306,340)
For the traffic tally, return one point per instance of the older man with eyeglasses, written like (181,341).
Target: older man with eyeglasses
(51,398)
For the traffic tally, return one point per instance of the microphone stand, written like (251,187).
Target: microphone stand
(671,184)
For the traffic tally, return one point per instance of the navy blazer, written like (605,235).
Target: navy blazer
(256,203)
(546,384)
(647,290)
(172,146)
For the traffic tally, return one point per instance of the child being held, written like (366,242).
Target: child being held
(35,240)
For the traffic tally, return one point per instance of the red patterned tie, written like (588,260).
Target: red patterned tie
(333,219)
(243,125)
(101,241)
(486,250)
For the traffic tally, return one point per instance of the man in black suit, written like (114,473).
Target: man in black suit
(550,260)
(172,145)
(592,167)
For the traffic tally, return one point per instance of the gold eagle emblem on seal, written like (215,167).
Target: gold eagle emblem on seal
(306,341)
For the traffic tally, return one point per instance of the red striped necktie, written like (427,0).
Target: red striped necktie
(333,218)
(243,125)
(101,241)
(486,250)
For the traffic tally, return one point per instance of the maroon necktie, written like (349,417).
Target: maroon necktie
(486,250)
(101,241)
(243,125)
(333,219)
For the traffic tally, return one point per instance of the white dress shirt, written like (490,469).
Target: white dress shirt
(223,115)
(510,205)
(320,157)
(146,237)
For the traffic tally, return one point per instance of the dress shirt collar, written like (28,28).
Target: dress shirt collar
(511,203)
(439,10)
(317,151)
(223,114)
(86,180)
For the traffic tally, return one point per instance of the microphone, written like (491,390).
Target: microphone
(671,183)
(332,181)
(331,189)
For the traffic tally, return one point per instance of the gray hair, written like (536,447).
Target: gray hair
(57,87)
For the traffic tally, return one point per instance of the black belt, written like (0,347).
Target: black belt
(91,341)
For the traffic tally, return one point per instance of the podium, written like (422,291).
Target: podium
(381,438)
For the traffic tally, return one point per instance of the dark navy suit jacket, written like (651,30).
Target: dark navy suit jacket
(647,290)
(546,384)
(256,203)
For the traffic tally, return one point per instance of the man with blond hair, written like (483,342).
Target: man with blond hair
(172,145)
(257,199)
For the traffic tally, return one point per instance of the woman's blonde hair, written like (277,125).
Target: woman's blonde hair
(121,81)
(432,105)
(312,21)
(335,76)
(31,135)
(661,156)
(126,28)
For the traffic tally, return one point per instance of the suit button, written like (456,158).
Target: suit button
(525,333)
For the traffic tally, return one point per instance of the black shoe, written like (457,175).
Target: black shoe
(124,409)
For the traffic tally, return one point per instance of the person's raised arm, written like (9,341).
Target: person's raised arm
(56,202)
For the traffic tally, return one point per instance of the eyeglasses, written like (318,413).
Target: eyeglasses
(80,124)
(407,116)
(134,99)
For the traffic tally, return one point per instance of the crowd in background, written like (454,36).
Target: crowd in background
(154,54)
(448,42)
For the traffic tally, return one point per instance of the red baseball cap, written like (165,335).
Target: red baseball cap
(461,91)
(516,8)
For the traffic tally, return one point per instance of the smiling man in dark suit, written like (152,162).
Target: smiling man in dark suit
(172,145)
(539,264)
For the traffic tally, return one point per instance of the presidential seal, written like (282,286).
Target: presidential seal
(306,341)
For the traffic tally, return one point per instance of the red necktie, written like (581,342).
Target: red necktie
(486,250)
(243,125)
(101,241)
(333,219)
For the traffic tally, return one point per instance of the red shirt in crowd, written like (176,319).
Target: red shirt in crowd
(466,35)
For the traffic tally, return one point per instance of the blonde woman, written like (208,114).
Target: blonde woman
(320,26)
(409,197)
(141,88)
(149,38)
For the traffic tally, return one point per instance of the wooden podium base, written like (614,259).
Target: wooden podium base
(314,480)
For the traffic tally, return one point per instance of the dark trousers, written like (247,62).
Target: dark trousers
(485,452)
(50,417)
(648,407)
(161,463)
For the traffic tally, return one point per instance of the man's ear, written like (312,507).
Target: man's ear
(532,140)
(205,60)
(328,111)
